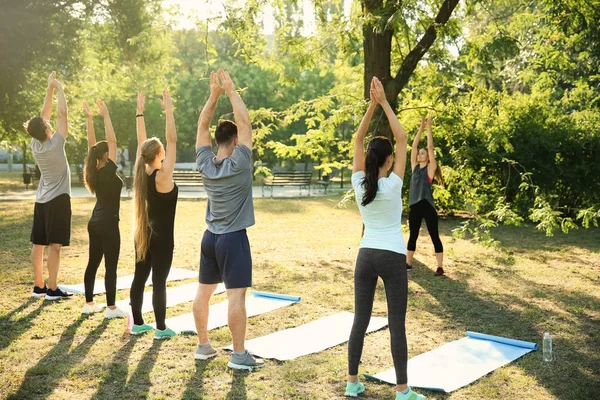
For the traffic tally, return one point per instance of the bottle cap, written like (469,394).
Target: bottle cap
(546,335)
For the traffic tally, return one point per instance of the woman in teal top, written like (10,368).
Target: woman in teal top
(382,252)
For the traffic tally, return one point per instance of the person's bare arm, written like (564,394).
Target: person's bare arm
(358,162)
(140,125)
(62,123)
(415,146)
(240,112)
(91,135)
(430,149)
(397,130)
(111,138)
(46,112)
(203,134)
(164,179)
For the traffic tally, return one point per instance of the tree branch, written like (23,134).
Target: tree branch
(416,54)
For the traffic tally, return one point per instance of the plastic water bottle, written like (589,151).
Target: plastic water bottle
(547,347)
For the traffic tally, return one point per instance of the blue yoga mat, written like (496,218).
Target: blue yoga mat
(276,296)
(459,363)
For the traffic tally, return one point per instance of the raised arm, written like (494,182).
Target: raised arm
(140,125)
(397,130)
(46,112)
(91,135)
(203,134)
(169,162)
(415,146)
(62,124)
(111,138)
(430,149)
(240,112)
(358,163)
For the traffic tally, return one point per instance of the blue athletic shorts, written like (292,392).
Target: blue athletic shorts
(226,258)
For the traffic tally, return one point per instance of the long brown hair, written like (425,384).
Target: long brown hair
(142,230)
(437,175)
(96,153)
(378,150)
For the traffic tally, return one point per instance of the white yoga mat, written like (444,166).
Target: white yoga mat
(175,295)
(256,304)
(458,363)
(309,338)
(124,282)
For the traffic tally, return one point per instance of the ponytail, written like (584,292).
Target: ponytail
(438,175)
(143,228)
(140,206)
(95,154)
(89,170)
(379,149)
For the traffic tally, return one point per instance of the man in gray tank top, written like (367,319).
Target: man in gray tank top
(52,211)
(225,251)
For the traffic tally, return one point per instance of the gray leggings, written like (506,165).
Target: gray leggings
(391,267)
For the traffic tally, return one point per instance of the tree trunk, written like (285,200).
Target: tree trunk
(24,148)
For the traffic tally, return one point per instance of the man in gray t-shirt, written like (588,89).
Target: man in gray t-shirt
(225,251)
(52,211)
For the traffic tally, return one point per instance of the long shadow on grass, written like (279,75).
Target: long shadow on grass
(11,329)
(195,387)
(116,386)
(460,304)
(238,386)
(41,379)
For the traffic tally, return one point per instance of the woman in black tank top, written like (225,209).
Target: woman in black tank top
(101,178)
(155,201)
(424,169)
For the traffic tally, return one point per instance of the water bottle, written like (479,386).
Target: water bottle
(547,347)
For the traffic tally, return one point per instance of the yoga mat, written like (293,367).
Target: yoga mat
(256,304)
(309,338)
(124,282)
(459,363)
(175,295)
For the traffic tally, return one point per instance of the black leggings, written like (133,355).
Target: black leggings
(158,260)
(105,240)
(417,212)
(391,267)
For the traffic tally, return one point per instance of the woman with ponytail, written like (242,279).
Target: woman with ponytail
(382,252)
(424,170)
(155,201)
(101,178)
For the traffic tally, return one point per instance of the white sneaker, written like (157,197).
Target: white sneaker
(116,313)
(94,308)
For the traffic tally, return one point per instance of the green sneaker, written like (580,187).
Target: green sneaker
(409,396)
(167,333)
(139,329)
(353,389)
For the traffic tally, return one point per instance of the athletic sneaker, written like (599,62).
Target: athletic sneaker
(39,292)
(91,309)
(139,329)
(409,396)
(205,351)
(353,389)
(116,313)
(408,267)
(164,334)
(245,361)
(439,271)
(57,294)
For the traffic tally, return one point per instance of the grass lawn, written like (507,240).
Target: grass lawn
(306,247)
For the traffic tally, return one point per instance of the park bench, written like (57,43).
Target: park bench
(323,183)
(187,178)
(299,179)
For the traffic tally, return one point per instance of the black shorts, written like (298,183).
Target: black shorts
(226,258)
(52,221)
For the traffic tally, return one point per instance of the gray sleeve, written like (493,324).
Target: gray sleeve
(241,158)
(203,154)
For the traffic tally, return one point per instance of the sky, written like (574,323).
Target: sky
(193,9)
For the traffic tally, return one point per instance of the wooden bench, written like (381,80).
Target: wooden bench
(299,179)
(187,178)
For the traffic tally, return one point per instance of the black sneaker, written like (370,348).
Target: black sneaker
(39,292)
(57,294)
(408,267)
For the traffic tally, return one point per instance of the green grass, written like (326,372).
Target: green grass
(306,247)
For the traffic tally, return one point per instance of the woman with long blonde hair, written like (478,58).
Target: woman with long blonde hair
(424,170)
(101,178)
(155,201)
